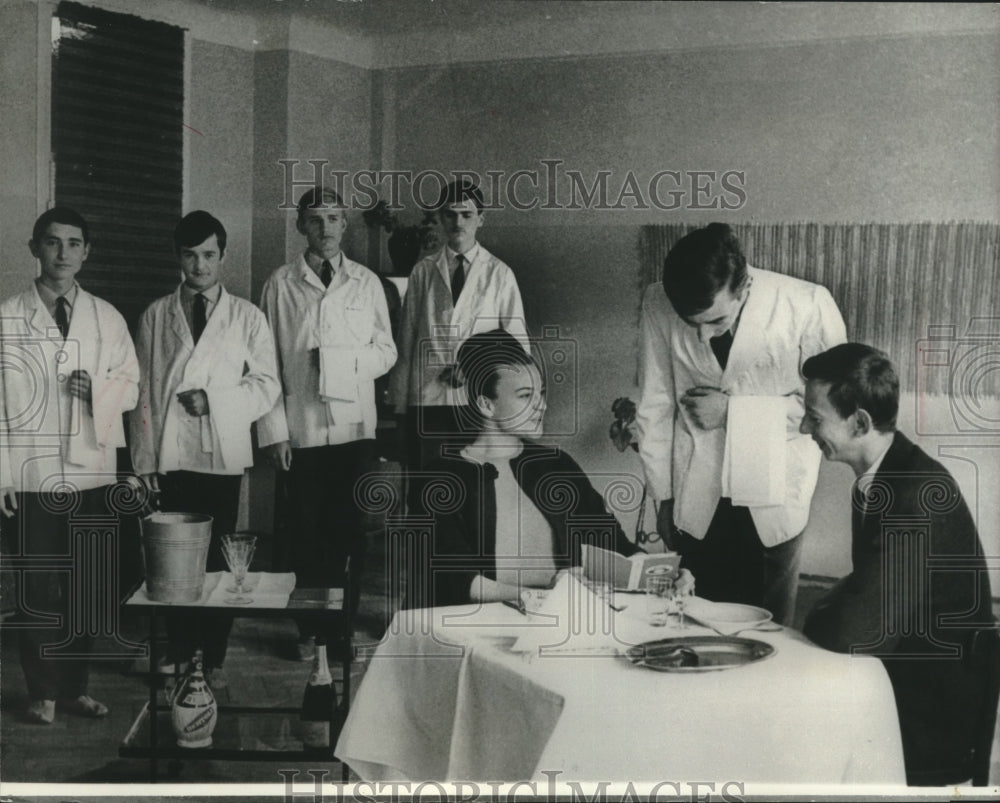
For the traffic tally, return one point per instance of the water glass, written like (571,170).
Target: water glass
(659,593)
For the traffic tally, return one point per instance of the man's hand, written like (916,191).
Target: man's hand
(152,482)
(194,402)
(707,407)
(279,455)
(8,501)
(80,386)
(665,522)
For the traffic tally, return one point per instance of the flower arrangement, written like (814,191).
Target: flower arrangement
(622,431)
(406,241)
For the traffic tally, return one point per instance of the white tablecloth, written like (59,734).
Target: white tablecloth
(444,698)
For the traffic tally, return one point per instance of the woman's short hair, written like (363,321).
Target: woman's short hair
(482,356)
(196,227)
(700,265)
(860,378)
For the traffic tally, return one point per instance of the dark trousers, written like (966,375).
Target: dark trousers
(326,521)
(428,431)
(218,496)
(44,523)
(730,564)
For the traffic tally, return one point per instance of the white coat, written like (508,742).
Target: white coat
(233,363)
(432,328)
(348,322)
(759,459)
(48,437)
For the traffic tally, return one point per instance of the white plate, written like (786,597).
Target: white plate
(726,613)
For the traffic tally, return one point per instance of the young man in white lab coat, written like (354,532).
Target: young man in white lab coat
(208,372)
(67,373)
(722,345)
(451,295)
(331,327)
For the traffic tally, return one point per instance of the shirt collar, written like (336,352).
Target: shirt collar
(470,255)
(308,258)
(211,294)
(874,467)
(49,296)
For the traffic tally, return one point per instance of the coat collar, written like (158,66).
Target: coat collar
(178,322)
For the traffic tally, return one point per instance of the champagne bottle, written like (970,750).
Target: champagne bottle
(193,710)
(317,705)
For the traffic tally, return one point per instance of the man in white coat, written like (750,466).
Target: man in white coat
(67,373)
(451,295)
(722,346)
(208,372)
(331,327)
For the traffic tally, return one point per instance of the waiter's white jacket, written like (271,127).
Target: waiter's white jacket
(759,459)
(348,322)
(47,437)
(432,328)
(233,363)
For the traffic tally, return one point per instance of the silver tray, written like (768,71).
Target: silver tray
(698,653)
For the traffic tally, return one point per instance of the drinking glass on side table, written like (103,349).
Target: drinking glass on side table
(238,550)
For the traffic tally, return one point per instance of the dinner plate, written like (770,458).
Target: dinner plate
(698,653)
(726,614)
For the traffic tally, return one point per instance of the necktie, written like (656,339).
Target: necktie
(721,346)
(200,318)
(62,316)
(458,280)
(327,273)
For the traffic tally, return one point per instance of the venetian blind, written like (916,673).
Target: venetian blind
(925,293)
(117,116)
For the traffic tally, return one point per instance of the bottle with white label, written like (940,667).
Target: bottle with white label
(317,705)
(193,710)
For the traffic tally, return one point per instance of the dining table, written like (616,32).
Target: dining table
(500,692)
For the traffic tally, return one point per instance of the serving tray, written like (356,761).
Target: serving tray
(698,653)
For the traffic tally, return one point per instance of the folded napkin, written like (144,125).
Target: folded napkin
(265,589)
(570,618)
(753,468)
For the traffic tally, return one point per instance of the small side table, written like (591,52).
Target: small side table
(326,604)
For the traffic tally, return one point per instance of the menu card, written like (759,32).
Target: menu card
(628,574)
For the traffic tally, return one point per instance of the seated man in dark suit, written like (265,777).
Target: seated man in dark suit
(919,589)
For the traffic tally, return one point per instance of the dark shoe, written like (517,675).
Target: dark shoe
(306,649)
(41,712)
(216,678)
(84,706)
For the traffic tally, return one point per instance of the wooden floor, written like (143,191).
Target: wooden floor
(261,670)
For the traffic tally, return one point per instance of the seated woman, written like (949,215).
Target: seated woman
(508,513)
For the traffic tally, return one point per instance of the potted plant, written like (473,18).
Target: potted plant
(407,241)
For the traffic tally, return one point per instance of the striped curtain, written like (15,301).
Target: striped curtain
(925,293)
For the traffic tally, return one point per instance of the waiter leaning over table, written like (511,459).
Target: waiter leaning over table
(331,327)
(67,373)
(208,372)
(721,350)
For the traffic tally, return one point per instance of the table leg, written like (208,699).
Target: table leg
(153,681)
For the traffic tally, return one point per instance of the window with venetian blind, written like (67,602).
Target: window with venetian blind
(117,117)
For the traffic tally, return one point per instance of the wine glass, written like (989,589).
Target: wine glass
(238,550)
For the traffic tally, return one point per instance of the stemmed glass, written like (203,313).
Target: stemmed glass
(238,550)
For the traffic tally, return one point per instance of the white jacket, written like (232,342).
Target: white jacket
(759,459)
(48,437)
(349,323)
(432,328)
(233,363)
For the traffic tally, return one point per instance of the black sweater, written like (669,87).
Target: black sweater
(459,498)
